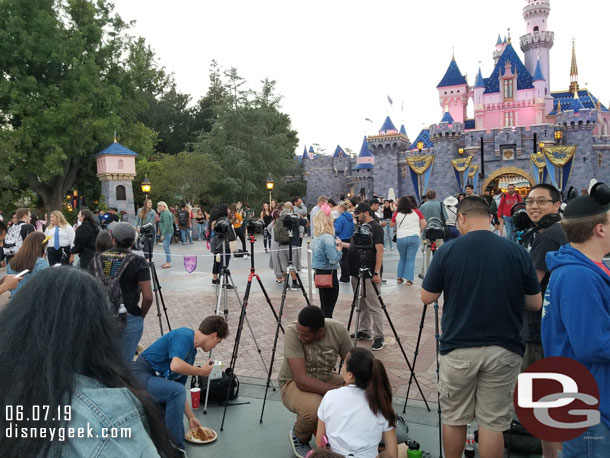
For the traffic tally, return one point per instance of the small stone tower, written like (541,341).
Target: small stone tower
(116,169)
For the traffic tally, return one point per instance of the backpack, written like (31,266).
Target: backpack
(183,218)
(13,240)
(219,388)
(280,232)
(112,283)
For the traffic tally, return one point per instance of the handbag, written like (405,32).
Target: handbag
(323,279)
(394,237)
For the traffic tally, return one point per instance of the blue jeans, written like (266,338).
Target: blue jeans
(167,239)
(388,234)
(407,249)
(593,443)
(185,234)
(173,395)
(130,337)
(509,227)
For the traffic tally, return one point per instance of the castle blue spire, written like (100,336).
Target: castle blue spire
(538,76)
(577,104)
(505,40)
(339,152)
(403,130)
(453,76)
(388,125)
(480,82)
(447,117)
(365,159)
(311,151)
(305,155)
(499,42)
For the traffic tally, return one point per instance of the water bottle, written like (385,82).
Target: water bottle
(414,450)
(469,450)
(123,315)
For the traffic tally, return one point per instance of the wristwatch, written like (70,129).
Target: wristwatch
(376,273)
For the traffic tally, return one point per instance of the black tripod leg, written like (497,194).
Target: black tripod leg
(404,354)
(268,299)
(169,326)
(438,393)
(351,313)
(302,287)
(421,328)
(277,332)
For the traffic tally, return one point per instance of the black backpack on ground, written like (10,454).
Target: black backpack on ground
(218,387)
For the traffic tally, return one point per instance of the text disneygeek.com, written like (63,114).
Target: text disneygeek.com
(62,433)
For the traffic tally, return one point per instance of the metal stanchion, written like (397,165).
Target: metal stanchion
(309,271)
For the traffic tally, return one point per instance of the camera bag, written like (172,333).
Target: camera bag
(218,387)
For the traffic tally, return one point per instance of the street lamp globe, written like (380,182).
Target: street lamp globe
(269,183)
(146,185)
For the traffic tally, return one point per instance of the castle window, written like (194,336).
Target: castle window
(536,29)
(120,164)
(508,89)
(509,119)
(120,193)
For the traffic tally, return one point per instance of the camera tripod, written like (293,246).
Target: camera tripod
(428,249)
(159,300)
(290,269)
(364,273)
(412,376)
(226,282)
(242,318)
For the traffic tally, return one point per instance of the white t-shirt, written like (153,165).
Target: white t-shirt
(407,225)
(351,426)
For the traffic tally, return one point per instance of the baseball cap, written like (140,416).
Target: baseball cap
(124,233)
(375,201)
(363,208)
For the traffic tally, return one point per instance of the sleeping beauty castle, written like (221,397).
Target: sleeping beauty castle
(522,132)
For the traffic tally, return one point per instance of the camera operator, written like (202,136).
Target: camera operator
(163,368)
(576,315)
(481,344)
(371,321)
(135,278)
(293,222)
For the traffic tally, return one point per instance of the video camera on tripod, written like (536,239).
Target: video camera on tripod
(435,230)
(524,227)
(290,221)
(255,226)
(224,229)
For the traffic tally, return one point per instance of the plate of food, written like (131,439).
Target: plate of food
(201,435)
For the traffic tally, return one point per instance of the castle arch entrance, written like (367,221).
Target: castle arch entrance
(499,180)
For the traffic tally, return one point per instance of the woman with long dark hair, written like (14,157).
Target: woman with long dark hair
(30,256)
(73,375)
(267,219)
(84,240)
(354,418)
(409,223)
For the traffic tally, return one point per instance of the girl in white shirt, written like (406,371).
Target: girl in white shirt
(61,239)
(355,417)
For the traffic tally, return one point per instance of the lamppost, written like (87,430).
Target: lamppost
(420,146)
(146,185)
(540,146)
(558,136)
(461,151)
(269,184)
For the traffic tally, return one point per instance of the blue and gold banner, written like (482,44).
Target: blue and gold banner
(473,176)
(420,168)
(539,170)
(460,166)
(559,161)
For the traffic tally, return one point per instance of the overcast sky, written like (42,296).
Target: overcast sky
(336,61)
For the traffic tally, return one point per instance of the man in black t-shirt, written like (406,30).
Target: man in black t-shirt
(135,279)
(487,282)
(371,316)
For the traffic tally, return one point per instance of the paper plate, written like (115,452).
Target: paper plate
(188,436)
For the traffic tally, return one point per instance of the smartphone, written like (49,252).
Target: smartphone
(22,273)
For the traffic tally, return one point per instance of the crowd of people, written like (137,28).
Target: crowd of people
(92,318)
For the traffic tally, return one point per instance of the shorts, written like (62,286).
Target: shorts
(478,383)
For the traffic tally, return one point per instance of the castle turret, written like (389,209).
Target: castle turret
(573,71)
(499,49)
(538,40)
(542,104)
(453,92)
(479,90)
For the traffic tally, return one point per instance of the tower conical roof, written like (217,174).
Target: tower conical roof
(365,159)
(499,42)
(453,76)
(116,149)
(577,104)
(403,130)
(538,76)
(447,117)
(388,126)
(339,152)
(480,82)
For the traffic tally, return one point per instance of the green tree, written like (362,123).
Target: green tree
(69,80)
(249,139)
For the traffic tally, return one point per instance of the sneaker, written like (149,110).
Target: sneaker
(230,286)
(362,336)
(295,287)
(215,282)
(299,448)
(378,344)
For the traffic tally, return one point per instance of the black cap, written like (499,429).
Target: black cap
(363,208)
(375,201)
(594,204)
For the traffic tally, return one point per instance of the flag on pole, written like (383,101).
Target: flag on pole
(390,101)
(367,119)
(402,106)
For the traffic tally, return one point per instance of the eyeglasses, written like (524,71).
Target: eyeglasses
(539,202)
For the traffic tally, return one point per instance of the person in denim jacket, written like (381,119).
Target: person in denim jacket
(73,376)
(325,257)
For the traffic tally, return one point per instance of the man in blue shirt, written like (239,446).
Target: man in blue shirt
(486,282)
(163,368)
(576,311)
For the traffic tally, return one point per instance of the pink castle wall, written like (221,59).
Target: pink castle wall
(116,164)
